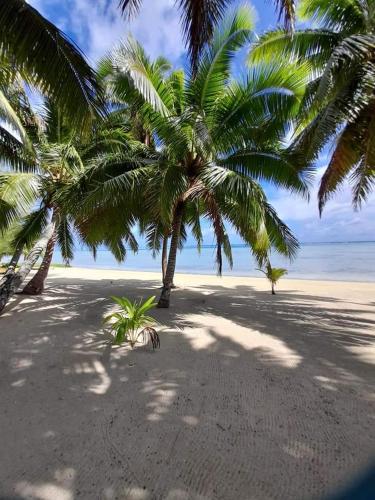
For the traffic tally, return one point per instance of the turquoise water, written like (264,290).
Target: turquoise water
(326,261)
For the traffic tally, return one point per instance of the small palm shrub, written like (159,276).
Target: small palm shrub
(273,274)
(132,322)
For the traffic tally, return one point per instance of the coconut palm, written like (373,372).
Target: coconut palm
(216,139)
(62,162)
(339,105)
(131,321)
(273,274)
(18,192)
(19,187)
(199,18)
(45,57)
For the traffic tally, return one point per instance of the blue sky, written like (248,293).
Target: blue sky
(96,25)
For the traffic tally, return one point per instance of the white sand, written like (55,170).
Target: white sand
(250,396)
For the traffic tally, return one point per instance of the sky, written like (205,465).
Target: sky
(96,26)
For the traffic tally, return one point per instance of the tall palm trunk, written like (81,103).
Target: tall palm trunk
(15,280)
(171,266)
(164,257)
(36,284)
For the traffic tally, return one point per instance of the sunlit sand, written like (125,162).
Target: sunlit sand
(250,396)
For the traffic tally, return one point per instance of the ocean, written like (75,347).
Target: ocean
(352,261)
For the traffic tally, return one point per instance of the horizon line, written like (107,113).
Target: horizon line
(243,245)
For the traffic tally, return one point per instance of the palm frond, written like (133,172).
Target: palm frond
(312,45)
(347,154)
(280,235)
(269,166)
(18,192)
(13,153)
(343,15)
(10,116)
(363,180)
(130,61)
(32,227)
(198,19)
(49,60)
(287,10)
(65,238)
(130,7)
(213,70)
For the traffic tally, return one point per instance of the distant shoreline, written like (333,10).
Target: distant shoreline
(352,262)
(243,245)
(184,273)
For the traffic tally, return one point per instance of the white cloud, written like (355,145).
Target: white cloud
(339,221)
(98,26)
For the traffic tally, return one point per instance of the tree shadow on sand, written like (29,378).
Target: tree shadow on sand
(268,397)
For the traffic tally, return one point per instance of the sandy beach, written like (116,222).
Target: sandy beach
(251,396)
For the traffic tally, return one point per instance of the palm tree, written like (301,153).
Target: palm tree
(199,18)
(62,161)
(19,187)
(33,47)
(65,160)
(339,105)
(18,192)
(216,139)
(273,274)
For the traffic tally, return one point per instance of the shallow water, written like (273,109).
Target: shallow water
(326,261)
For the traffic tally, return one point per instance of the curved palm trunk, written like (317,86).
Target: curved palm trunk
(273,288)
(12,264)
(36,284)
(14,280)
(169,274)
(164,257)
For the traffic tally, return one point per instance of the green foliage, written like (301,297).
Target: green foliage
(273,274)
(199,18)
(6,240)
(18,192)
(64,162)
(338,107)
(16,122)
(217,138)
(47,59)
(132,322)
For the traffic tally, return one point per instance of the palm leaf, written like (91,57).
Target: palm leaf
(65,238)
(18,192)
(32,227)
(214,66)
(287,10)
(343,15)
(48,59)
(269,166)
(130,60)
(13,153)
(313,45)
(9,115)
(200,17)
